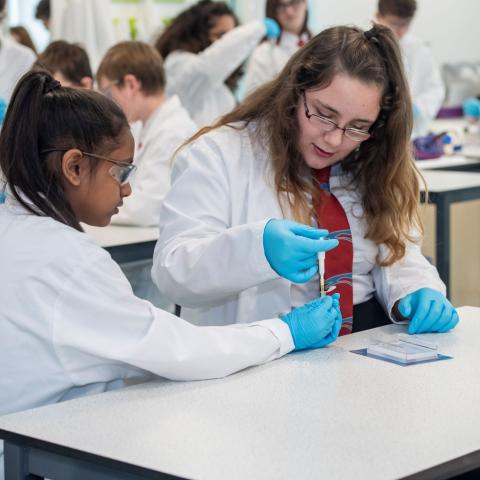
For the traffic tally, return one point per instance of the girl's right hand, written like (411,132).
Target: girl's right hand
(316,324)
(291,248)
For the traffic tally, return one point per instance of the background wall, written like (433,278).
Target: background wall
(450,26)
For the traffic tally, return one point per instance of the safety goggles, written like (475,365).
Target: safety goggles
(122,172)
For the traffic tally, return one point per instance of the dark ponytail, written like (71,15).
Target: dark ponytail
(43,115)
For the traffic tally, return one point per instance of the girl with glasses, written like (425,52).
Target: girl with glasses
(269,58)
(325,145)
(69,322)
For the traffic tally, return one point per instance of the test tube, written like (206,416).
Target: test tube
(321,272)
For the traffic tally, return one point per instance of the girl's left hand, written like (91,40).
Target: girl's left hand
(428,311)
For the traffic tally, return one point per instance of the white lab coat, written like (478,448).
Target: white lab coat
(166,129)
(198,79)
(70,325)
(15,60)
(268,60)
(210,259)
(426,84)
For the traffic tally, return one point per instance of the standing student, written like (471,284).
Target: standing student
(270,57)
(132,74)
(427,88)
(69,323)
(68,63)
(202,48)
(327,144)
(15,60)
(42,13)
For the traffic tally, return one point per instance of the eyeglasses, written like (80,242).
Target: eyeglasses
(122,172)
(289,3)
(328,125)
(107,89)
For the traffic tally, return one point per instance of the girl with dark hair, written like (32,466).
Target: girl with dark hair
(325,144)
(269,58)
(69,322)
(203,47)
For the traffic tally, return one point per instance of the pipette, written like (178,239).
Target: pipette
(321,272)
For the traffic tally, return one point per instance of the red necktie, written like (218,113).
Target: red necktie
(339,261)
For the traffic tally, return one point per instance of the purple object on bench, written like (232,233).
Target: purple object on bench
(454,111)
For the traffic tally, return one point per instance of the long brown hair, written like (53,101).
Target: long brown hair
(189,32)
(382,167)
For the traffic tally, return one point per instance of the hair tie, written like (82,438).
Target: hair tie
(370,34)
(51,85)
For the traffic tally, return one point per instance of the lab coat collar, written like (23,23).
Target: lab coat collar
(163,113)
(289,41)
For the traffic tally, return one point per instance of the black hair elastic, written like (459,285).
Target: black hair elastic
(51,85)
(371,34)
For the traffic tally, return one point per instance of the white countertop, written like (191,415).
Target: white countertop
(443,181)
(447,161)
(326,413)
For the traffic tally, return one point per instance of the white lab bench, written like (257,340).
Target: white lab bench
(325,413)
(125,243)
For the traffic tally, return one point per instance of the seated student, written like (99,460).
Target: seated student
(15,60)
(269,58)
(326,143)
(68,63)
(202,49)
(426,85)
(20,35)
(132,74)
(69,322)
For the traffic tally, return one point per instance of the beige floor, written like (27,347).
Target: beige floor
(465,250)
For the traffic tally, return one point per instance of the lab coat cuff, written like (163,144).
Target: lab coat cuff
(281,331)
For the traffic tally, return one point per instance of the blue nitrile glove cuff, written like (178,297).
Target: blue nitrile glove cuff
(272,29)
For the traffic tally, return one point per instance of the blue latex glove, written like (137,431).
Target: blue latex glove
(291,248)
(471,107)
(316,324)
(272,28)
(3,110)
(428,311)
(2,197)
(416,110)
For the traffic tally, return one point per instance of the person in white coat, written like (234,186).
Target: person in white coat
(203,49)
(326,143)
(269,58)
(15,60)
(132,74)
(425,79)
(69,322)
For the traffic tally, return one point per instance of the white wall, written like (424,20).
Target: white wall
(449,26)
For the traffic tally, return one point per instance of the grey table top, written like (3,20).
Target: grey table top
(326,413)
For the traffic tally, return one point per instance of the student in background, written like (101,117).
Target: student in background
(427,88)
(15,60)
(20,35)
(325,144)
(68,63)
(42,13)
(202,48)
(69,323)
(270,57)
(132,74)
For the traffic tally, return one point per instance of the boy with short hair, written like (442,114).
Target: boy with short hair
(132,74)
(68,63)
(426,85)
